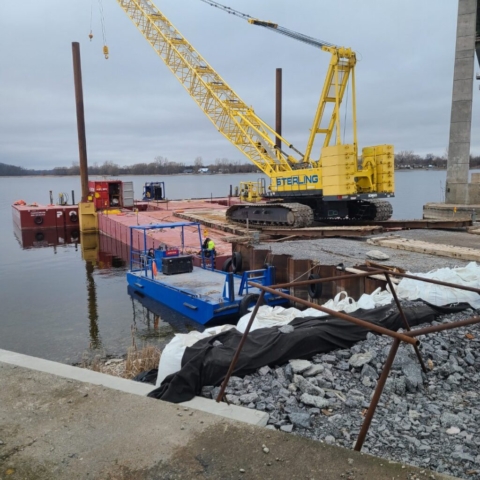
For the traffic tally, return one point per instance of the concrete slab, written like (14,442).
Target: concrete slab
(445,237)
(241,414)
(233,412)
(58,428)
(451,211)
(74,373)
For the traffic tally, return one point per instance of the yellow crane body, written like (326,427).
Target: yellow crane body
(335,176)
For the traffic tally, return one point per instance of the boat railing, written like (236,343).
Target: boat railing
(263,276)
(141,261)
(139,258)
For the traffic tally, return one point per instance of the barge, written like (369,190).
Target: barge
(34,216)
(201,293)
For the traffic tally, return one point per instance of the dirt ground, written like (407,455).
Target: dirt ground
(55,428)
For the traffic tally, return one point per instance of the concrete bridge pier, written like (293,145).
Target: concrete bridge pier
(460,193)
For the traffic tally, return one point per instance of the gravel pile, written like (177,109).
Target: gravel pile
(431,420)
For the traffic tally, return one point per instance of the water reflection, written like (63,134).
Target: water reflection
(99,323)
(154,321)
(46,237)
(95,339)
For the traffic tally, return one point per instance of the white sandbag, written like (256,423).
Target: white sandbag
(344,303)
(440,295)
(218,329)
(171,358)
(366,302)
(380,297)
(312,312)
(269,317)
(278,316)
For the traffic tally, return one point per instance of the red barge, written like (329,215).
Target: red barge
(35,216)
(115,211)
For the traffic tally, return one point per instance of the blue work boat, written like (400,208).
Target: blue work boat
(202,293)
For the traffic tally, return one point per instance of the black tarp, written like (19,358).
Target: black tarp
(149,376)
(205,364)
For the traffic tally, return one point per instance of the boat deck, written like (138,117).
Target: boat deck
(207,285)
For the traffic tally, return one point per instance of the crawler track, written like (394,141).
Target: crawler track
(383,210)
(297,215)
(294,215)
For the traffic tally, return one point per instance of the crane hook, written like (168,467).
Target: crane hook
(105,52)
(90,35)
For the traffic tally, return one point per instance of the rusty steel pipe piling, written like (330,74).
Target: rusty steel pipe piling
(82,140)
(239,348)
(278,107)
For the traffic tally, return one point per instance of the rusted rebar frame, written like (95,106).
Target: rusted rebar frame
(388,366)
(407,337)
(404,319)
(321,308)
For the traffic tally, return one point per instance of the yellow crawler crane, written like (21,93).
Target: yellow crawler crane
(302,189)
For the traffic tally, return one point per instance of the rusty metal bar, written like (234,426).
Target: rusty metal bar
(377,394)
(397,301)
(329,279)
(404,319)
(429,280)
(343,316)
(239,348)
(444,326)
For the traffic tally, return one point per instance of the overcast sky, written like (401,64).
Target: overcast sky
(136,110)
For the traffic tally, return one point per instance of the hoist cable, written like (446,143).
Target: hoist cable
(102,20)
(90,35)
(104,32)
(271,26)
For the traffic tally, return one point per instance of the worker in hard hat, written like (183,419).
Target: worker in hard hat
(209,247)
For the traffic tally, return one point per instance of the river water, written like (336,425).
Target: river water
(58,306)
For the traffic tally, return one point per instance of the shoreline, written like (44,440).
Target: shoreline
(193,174)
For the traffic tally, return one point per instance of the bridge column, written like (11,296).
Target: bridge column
(458,190)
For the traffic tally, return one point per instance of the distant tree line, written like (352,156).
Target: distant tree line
(408,159)
(162,166)
(14,171)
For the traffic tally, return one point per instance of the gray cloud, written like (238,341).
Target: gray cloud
(136,110)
